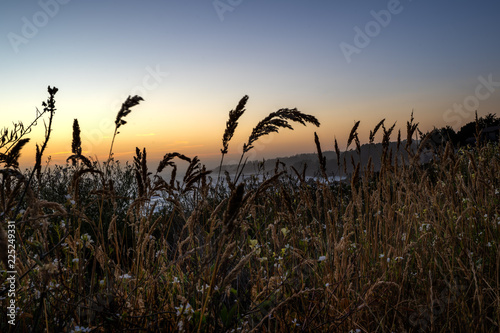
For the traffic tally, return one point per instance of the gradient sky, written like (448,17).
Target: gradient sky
(427,57)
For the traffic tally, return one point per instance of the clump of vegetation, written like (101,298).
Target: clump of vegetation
(111,248)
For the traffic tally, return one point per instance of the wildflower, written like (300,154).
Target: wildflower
(381,255)
(188,309)
(125,276)
(254,244)
(322,258)
(202,288)
(424,225)
(75,260)
(86,238)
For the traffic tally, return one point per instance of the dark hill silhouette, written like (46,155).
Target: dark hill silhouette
(310,160)
(488,128)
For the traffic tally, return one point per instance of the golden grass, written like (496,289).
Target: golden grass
(410,248)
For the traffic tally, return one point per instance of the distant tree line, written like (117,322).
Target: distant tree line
(485,129)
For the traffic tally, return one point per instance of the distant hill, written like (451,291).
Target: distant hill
(373,150)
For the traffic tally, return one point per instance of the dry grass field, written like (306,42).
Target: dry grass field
(410,248)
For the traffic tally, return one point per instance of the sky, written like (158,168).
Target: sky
(193,60)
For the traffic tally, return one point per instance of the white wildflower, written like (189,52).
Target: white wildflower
(188,309)
(125,276)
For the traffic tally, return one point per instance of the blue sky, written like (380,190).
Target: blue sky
(205,55)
